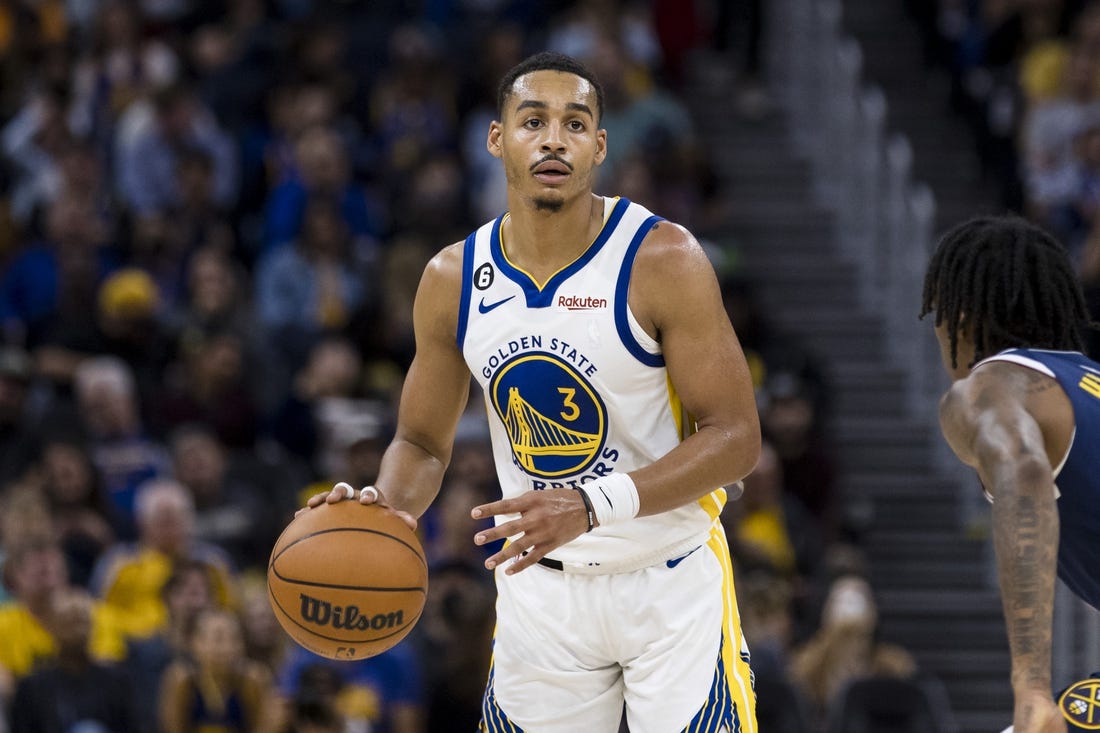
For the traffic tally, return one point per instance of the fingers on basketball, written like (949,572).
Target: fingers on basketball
(347,580)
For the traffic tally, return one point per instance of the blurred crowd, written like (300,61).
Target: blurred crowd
(1026,76)
(213,218)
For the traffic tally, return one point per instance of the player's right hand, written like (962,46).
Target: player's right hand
(1036,712)
(344,491)
(340,492)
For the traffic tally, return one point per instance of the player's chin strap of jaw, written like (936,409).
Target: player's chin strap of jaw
(611,499)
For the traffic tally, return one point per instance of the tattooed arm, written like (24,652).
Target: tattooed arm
(987,421)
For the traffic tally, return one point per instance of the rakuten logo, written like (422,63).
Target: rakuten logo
(581,303)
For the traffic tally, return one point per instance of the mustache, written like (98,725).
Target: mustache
(554,158)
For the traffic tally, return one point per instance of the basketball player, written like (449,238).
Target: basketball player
(619,405)
(1024,410)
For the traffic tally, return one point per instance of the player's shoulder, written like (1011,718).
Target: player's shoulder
(669,235)
(959,399)
(984,381)
(1013,375)
(671,279)
(441,281)
(446,264)
(670,249)
(992,386)
(965,407)
(439,294)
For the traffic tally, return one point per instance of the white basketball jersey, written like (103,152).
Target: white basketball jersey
(575,388)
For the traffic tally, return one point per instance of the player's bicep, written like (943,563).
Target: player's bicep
(708,369)
(988,425)
(438,382)
(704,359)
(433,397)
(1009,450)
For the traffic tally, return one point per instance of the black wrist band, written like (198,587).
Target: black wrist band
(588,508)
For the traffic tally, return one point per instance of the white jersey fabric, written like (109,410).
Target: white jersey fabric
(575,388)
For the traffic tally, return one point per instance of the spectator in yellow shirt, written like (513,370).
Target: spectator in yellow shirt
(35,573)
(130,578)
(73,691)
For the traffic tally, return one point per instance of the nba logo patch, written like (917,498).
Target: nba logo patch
(1080,704)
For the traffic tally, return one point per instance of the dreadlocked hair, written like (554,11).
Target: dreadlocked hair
(1011,282)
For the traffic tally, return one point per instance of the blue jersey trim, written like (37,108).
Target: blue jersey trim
(622,287)
(719,712)
(544,297)
(493,719)
(467,287)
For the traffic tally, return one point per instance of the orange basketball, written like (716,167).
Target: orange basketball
(347,581)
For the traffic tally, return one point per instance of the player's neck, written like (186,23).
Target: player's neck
(537,239)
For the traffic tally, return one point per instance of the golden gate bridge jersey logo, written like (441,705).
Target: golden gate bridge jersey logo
(556,422)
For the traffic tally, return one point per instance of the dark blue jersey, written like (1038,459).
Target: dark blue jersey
(1077,477)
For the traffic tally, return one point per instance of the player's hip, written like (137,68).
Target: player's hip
(570,649)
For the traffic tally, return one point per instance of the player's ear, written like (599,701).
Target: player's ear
(492,143)
(601,145)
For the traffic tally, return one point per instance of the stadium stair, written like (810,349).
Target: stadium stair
(929,567)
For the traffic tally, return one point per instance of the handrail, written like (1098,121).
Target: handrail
(885,226)
(885,219)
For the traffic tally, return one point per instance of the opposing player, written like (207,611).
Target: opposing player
(1024,410)
(619,405)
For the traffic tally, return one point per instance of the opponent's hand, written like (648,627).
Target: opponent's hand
(1036,712)
(548,519)
(343,491)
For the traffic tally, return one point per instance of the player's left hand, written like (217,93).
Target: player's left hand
(548,519)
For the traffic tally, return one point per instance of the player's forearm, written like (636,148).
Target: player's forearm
(710,458)
(410,476)
(1025,535)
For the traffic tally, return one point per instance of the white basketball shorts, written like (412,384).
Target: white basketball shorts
(570,649)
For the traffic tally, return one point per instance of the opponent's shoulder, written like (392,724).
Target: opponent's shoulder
(985,387)
(1010,381)
(995,392)
(965,405)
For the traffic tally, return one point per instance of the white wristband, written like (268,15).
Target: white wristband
(614,498)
